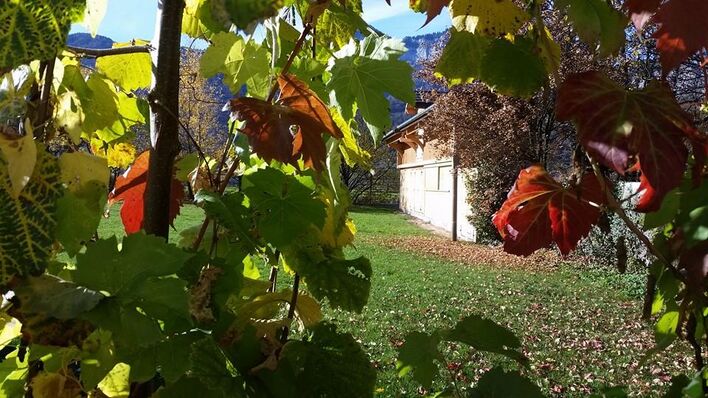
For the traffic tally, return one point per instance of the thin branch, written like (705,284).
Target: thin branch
(291,310)
(194,142)
(291,58)
(222,188)
(229,142)
(617,209)
(104,52)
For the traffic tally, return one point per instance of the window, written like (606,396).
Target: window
(445,178)
(431,178)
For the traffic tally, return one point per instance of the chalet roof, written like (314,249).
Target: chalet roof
(412,121)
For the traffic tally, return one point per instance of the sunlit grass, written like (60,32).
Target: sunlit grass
(580,328)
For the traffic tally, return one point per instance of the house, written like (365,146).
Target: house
(430,187)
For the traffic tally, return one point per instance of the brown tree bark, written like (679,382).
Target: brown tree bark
(164,110)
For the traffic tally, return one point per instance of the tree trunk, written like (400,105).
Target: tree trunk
(164,110)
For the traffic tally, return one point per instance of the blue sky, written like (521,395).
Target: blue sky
(132,19)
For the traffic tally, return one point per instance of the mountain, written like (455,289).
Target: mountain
(84,40)
(419,48)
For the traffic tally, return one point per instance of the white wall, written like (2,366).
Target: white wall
(426,193)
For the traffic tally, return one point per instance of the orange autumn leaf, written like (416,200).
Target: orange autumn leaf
(289,129)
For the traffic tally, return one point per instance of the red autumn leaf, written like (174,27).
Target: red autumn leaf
(130,188)
(539,211)
(641,11)
(616,126)
(682,31)
(289,129)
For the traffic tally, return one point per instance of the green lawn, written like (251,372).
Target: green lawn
(580,328)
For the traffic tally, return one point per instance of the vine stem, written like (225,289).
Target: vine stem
(271,95)
(298,46)
(200,152)
(104,52)
(617,209)
(293,305)
(222,188)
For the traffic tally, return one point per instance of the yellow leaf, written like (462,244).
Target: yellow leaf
(54,385)
(93,15)
(549,51)
(351,151)
(488,17)
(20,154)
(116,384)
(120,155)
(69,115)
(10,329)
(78,168)
(338,229)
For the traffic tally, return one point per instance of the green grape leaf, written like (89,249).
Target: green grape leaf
(461,60)
(693,214)
(116,384)
(103,268)
(35,29)
(79,214)
(130,112)
(349,146)
(161,298)
(171,357)
(187,387)
(597,23)
(211,367)
(345,283)
(129,327)
(29,220)
(513,68)
(80,168)
(97,358)
(93,15)
(244,12)
(678,383)
(418,354)
(241,63)
(488,17)
(55,297)
(486,335)
(498,383)
(191,26)
(231,212)
(285,205)
(666,213)
(102,98)
(129,71)
(225,54)
(255,70)
(362,73)
(330,364)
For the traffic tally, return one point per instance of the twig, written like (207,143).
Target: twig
(104,52)
(291,58)
(617,208)
(222,188)
(291,310)
(225,153)
(194,142)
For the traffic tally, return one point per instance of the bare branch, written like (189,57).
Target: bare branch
(104,52)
